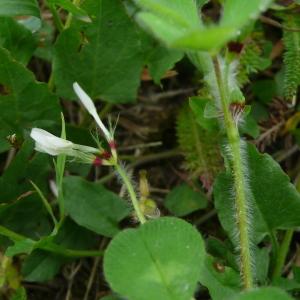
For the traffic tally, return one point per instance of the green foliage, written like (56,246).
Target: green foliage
(199,146)
(248,10)
(15,180)
(25,216)
(167,253)
(121,51)
(265,197)
(20,294)
(17,86)
(93,207)
(159,59)
(183,200)
(97,50)
(17,39)
(222,282)
(178,25)
(68,6)
(267,293)
(41,266)
(19,8)
(291,56)
(251,61)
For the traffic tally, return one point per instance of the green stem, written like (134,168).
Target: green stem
(57,21)
(51,81)
(45,202)
(11,234)
(137,161)
(234,143)
(131,192)
(70,15)
(275,249)
(282,253)
(50,247)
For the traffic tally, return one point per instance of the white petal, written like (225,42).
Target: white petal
(40,148)
(91,108)
(84,98)
(107,134)
(49,143)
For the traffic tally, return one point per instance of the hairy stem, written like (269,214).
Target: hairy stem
(234,143)
(131,192)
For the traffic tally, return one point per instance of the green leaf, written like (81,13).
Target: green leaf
(74,236)
(198,106)
(169,20)
(157,58)
(105,55)
(222,282)
(23,246)
(160,260)
(24,167)
(92,206)
(178,12)
(41,266)
(177,36)
(264,293)
(183,200)
(68,6)
(17,39)
(19,8)
(262,258)
(222,251)
(236,14)
(208,39)
(275,204)
(249,126)
(286,284)
(111,297)
(19,98)
(20,294)
(177,23)
(25,216)
(264,90)
(160,60)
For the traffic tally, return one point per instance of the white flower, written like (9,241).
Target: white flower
(46,142)
(49,143)
(91,108)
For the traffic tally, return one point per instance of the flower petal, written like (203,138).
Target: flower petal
(84,98)
(91,108)
(49,143)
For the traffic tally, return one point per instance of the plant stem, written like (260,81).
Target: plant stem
(131,192)
(45,202)
(70,15)
(282,253)
(242,214)
(57,21)
(50,247)
(137,161)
